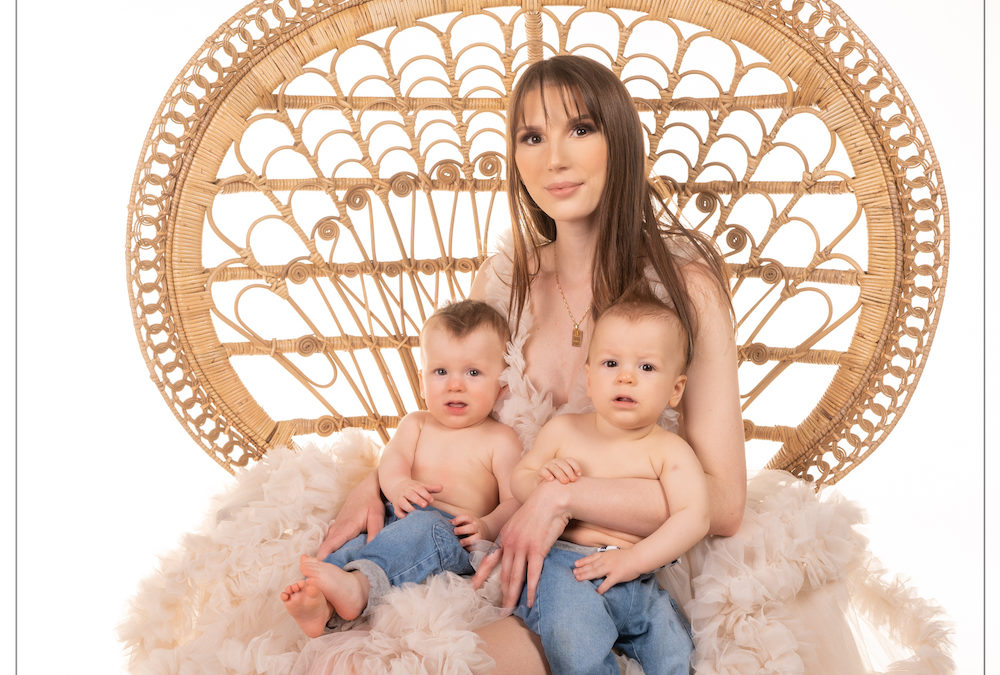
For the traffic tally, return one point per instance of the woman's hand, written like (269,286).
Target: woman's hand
(524,542)
(615,565)
(362,512)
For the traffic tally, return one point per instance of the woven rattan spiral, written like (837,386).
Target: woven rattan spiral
(321,175)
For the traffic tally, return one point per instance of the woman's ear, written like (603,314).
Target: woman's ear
(679,384)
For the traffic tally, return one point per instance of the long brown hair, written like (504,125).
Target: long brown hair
(630,234)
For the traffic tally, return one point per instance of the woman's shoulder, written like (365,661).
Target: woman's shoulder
(492,281)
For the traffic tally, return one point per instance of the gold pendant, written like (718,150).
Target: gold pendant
(577,336)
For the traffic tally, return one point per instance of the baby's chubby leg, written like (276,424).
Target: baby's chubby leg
(347,592)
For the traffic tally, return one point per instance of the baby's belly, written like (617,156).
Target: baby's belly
(586,534)
(473,502)
(466,489)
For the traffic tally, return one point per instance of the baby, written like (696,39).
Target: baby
(597,588)
(452,455)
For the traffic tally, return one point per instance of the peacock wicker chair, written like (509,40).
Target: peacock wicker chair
(322,174)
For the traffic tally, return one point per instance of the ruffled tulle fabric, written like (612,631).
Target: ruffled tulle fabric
(791,591)
(213,605)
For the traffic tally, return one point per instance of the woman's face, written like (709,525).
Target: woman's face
(562,158)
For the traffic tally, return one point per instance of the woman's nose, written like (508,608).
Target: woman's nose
(557,156)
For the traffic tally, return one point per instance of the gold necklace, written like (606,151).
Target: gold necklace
(577,338)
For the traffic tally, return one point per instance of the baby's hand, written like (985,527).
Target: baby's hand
(469,529)
(565,470)
(616,566)
(408,494)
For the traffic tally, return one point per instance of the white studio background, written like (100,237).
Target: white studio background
(107,478)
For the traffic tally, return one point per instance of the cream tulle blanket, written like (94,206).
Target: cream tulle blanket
(778,597)
(769,600)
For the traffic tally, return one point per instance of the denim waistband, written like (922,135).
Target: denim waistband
(579,548)
(587,550)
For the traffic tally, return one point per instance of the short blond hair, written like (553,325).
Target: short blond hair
(462,317)
(638,304)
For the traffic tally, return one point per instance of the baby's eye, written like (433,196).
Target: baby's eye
(647,367)
(440,371)
(609,363)
(473,372)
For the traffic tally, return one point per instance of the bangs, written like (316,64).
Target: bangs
(578,99)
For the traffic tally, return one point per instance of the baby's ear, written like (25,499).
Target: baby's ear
(420,379)
(679,384)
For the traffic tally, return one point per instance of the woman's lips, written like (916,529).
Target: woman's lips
(562,189)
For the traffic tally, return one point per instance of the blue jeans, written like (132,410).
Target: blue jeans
(407,549)
(578,627)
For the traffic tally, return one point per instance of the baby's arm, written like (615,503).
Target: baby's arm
(506,452)
(684,484)
(395,469)
(527,473)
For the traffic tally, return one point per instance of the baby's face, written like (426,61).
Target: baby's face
(635,370)
(460,380)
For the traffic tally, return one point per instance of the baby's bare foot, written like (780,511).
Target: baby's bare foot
(346,591)
(306,604)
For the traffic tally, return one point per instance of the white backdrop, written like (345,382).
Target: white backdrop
(107,479)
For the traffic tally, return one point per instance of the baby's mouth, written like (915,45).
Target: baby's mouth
(624,399)
(455,404)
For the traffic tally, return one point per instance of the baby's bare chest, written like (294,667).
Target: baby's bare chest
(612,460)
(452,457)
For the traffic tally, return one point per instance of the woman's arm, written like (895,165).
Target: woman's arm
(632,505)
(363,511)
(712,420)
(479,282)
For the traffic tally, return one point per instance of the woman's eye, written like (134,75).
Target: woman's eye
(531,139)
(583,129)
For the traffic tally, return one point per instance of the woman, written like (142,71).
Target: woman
(586,226)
